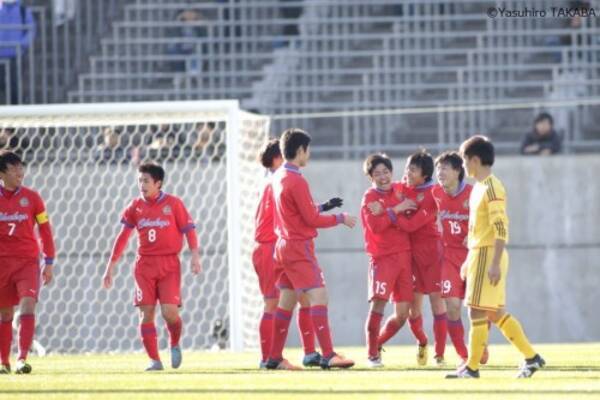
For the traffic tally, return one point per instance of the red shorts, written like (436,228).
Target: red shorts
(427,268)
(264,265)
(452,284)
(157,278)
(19,277)
(390,276)
(299,267)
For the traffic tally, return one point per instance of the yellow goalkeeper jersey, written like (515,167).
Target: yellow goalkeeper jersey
(487,216)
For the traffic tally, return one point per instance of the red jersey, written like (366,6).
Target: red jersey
(160,223)
(382,233)
(453,214)
(264,220)
(427,221)
(20,211)
(296,215)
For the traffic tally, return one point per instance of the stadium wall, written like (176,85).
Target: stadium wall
(554,247)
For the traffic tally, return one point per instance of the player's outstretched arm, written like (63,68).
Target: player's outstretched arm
(49,251)
(331,204)
(117,252)
(309,211)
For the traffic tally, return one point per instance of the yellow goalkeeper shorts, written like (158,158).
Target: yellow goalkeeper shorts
(480,293)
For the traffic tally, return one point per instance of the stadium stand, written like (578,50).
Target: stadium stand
(342,55)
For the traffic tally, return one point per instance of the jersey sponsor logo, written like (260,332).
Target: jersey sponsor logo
(153,223)
(445,214)
(24,202)
(167,210)
(6,217)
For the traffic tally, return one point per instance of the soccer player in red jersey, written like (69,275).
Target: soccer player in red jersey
(388,246)
(265,266)
(296,221)
(426,249)
(452,198)
(161,221)
(20,210)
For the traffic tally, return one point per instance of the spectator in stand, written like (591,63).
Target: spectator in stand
(14,42)
(192,32)
(543,140)
(290,13)
(111,151)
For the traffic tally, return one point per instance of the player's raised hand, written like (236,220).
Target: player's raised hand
(332,203)
(196,265)
(47,273)
(494,274)
(349,220)
(375,207)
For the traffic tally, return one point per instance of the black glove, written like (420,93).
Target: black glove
(332,203)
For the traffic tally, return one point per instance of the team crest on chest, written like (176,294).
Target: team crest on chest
(167,210)
(466,204)
(420,197)
(24,202)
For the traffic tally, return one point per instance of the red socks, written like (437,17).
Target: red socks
(26,329)
(265,330)
(149,339)
(390,328)
(372,333)
(416,326)
(175,331)
(305,328)
(440,331)
(457,334)
(279,333)
(321,328)
(5,341)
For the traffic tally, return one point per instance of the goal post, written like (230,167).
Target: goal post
(82,158)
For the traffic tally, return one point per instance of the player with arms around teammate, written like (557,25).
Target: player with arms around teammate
(388,247)
(296,221)
(487,262)
(265,266)
(20,210)
(161,221)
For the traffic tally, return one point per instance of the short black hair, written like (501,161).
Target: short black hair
(154,170)
(374,160)
(7,158)
(269,153)
(543,117)
(291,140)
(423,160)
(479,146)
(453,159)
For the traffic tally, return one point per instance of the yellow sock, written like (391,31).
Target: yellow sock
(478,337)
(512,330)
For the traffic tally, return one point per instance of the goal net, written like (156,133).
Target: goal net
(83,160)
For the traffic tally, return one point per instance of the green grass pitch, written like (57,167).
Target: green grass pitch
(573,372)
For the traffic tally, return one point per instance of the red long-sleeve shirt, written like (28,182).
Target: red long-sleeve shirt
(424,219)
(384,233)
(20,211)
(296,215)
(265,217)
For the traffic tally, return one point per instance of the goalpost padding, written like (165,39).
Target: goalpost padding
(83,161)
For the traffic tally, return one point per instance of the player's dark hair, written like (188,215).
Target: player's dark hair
(478,146)
(154,170)
(543,117)
(423,160)
(269,153)
(7,158)
(455,161)
(291,140)
(374,160)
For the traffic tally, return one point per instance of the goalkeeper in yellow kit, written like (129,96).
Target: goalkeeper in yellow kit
(486,265)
